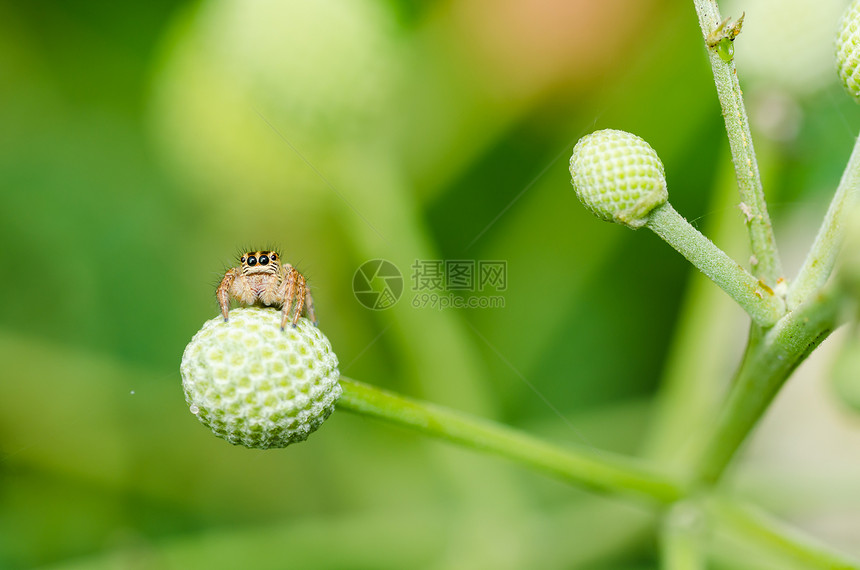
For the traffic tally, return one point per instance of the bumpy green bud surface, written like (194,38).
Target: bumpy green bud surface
(618,177)
(256,385)
(848,49)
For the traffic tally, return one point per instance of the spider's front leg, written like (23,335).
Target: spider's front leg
(222,293)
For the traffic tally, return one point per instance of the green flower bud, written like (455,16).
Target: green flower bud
(256,385)
(848,49)
(618,177)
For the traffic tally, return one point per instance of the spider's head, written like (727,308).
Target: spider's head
(255,262)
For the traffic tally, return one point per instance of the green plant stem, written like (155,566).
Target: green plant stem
(756,298)
(762,242)
(822,255)
(598,470)
(765,368)
(764,530)
(682,538)
(692,388)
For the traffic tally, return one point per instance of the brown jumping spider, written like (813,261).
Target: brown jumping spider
(262,280)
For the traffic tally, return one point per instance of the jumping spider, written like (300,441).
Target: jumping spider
(263,280)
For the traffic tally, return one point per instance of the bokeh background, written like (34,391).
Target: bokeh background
(142,145)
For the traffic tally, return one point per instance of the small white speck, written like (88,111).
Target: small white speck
(132,392)
(194,409)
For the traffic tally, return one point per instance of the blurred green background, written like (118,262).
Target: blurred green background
(143,144)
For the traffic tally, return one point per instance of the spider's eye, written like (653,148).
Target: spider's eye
(274,256)
(264,260)
(252,260)
(242,260)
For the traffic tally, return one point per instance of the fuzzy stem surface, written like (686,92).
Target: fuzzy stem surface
(756,298)
(762,242)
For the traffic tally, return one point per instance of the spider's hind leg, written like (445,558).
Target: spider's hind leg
(288,294)
(309,307)
(301,291)
(294,288)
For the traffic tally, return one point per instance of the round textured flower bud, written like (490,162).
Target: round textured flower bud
(618,177)
(256,385)
(848,49)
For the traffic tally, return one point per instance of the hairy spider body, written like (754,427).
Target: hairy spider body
(263,280)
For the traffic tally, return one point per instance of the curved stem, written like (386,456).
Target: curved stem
(595,469)
(693,385)
(756,298)
(763,529)
(822,255)
(763,372)
(762,241)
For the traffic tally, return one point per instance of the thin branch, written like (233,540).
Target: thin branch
(822,255)
(762,241)
(765,369)
(598,470)
(763,530)
(756,298)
